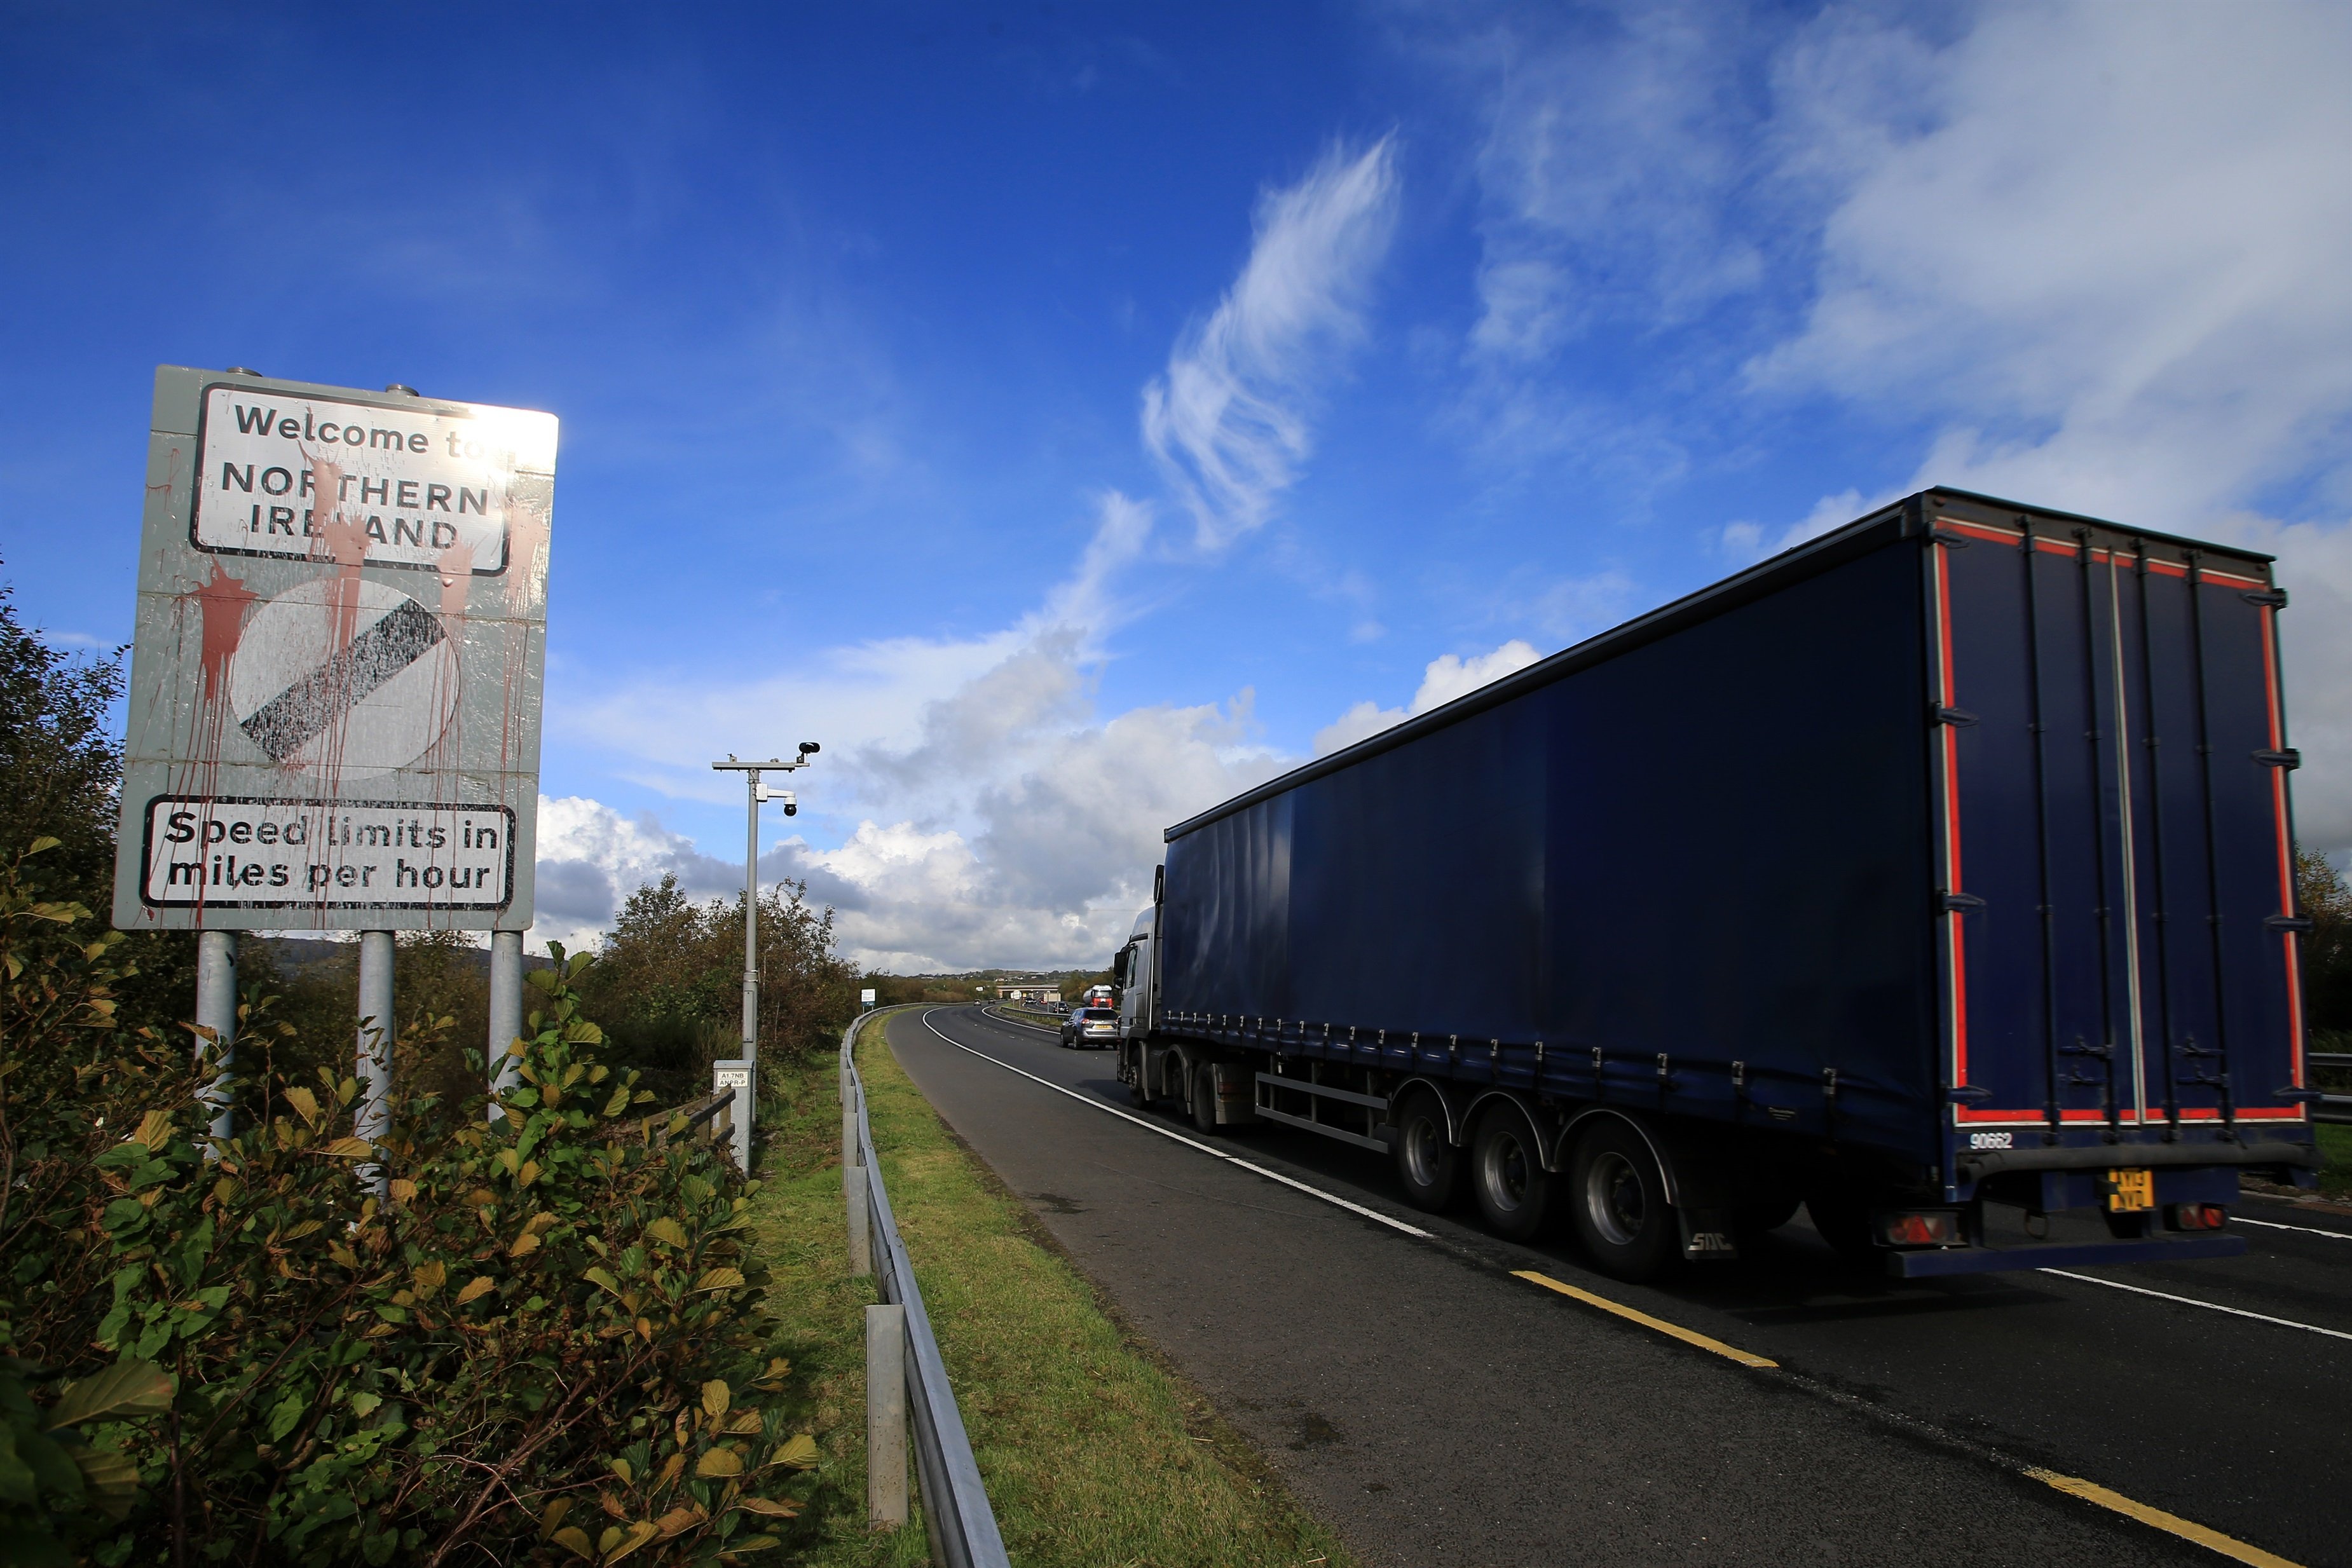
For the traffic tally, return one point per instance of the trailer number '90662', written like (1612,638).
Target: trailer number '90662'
(1989,1140)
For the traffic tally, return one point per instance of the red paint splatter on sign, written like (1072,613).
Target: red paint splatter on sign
(344,541)
(224,601)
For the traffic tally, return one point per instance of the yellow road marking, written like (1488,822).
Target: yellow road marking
(2172,1524)
(1675,1331)
(2089,1491)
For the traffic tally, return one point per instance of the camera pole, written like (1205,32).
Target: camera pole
(740,1073)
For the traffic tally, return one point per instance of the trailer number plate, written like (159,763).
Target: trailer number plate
(2128,1192)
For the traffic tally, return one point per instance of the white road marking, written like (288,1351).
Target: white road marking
(1017,1024)
(2307,1229)
(1215,1153)
(2193,1302)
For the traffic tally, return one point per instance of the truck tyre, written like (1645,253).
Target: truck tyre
(1137,1094)
(1617,1201)
(1425,1159)
(1205,1100)
(1506,1175)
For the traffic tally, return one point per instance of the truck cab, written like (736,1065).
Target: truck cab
(1136,976)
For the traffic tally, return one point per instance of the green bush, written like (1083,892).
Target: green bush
(669,981)
(533,1348)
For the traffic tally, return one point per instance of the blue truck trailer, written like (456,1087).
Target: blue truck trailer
(1943,861)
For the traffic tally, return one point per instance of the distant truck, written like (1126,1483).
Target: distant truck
(1944,860)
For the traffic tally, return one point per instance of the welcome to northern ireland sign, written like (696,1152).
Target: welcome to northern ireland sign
(334,702)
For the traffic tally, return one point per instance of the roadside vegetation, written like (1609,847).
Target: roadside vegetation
(1094,1454)
(2328,1000)
(536,1345)
(530,1347)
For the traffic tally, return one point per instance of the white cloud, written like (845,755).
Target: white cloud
(1748,542)
(1001,820)
(2106,252)
(589,857)
(998,818)
(1228,422)
(2314,566)
(1037,847)
(2112,254)
(1444,678)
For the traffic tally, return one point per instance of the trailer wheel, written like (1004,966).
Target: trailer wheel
(1507,1174)
(1204,1099)
(1426,1164)
(1617,1199)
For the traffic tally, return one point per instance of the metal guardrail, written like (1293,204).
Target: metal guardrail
(2331,1107)
(697,1112)
(956,1512)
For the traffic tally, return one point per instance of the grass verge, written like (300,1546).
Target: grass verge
(2335,1147)
(1094,1452)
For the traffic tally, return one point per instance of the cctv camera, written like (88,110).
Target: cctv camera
(809,749)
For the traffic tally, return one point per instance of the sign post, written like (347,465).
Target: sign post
(336,668)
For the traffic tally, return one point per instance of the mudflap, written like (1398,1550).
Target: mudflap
(1703,1202)
(1707,1235)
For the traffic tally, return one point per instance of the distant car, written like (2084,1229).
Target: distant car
(1094,1028)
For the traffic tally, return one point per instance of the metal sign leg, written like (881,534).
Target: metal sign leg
(506,1010)
(216,1010)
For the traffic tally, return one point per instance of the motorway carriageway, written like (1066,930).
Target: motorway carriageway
(1441,1397)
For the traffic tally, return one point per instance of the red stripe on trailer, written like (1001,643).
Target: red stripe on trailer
(1979,1115)
(1956,927)
(2057,547)
(2285,851)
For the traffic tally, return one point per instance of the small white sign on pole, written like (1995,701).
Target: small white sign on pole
(335,678)
(865,1000)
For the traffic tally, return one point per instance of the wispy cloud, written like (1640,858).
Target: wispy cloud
(999,817)
(1229,420)
(1611,157)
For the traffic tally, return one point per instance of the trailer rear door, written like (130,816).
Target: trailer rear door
(2114,845)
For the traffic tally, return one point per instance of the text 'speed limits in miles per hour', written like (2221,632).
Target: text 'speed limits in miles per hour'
(246,854)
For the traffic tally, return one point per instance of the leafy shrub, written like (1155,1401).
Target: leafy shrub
(2326,952)
(669,980)
(533,1348)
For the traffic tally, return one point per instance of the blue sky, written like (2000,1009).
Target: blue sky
(1071,413)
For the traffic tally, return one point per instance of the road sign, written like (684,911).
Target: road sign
(335,679)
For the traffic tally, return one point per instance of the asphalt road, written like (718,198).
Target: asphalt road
(1433,1409)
